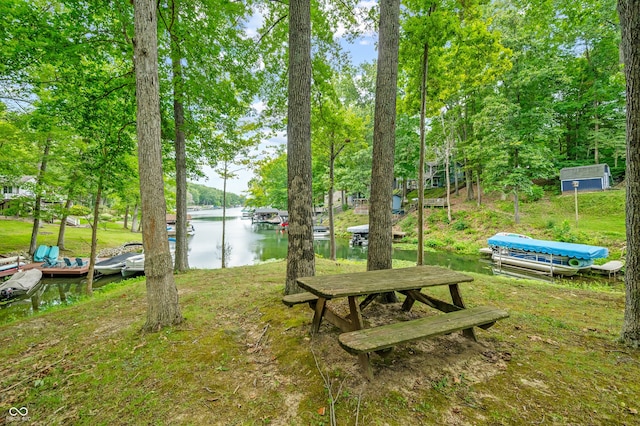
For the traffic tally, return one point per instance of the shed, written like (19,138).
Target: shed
(396,203)
(596,177)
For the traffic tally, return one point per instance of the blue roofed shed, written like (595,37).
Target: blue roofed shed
(596,177)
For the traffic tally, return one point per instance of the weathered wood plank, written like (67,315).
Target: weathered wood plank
(386,336)
(297,298)
(381,281)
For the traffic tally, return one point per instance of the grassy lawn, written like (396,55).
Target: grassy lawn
(601,221)
(243,358)
(16,236)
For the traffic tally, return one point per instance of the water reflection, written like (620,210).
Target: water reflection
(247,244)
(254,243)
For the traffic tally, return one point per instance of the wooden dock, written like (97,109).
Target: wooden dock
(59,270)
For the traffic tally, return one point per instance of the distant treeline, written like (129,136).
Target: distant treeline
(205,196)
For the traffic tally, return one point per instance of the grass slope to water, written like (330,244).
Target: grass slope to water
(243,358)
(16,236)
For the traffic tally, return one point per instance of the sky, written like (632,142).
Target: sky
(361,50)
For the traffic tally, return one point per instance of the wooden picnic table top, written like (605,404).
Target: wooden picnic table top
(380,281)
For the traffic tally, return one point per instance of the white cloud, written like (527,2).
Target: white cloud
(259,106)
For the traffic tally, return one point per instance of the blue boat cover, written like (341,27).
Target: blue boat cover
(579,251)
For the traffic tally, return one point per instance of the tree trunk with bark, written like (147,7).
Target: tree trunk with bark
(379,254)
(423,149)
(300,256)
(37,208)
(224,217)
(629,11)
(163,308)
(94,238)
(125,225)
(134,219)
(181,254)
(63,222)
(468,177)
(332,234)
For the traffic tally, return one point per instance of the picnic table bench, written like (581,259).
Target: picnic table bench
(361,341)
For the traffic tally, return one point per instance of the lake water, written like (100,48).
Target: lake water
(247,244)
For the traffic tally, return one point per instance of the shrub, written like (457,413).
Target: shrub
(536,194)
(434,243)
(460,225)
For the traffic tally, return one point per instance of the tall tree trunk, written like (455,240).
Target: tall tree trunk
(332,235)
(300,257)
(455,175)
(629,11)
(516,206)
(468,176)
(126,217)
(94,237)
(447,176)
(182,250)
(423,149)
(380,249)
(224,216)
(162,295)
(63,221)
(478,180)
(134,218)
(37,208)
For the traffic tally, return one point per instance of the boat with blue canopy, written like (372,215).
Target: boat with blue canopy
(552,257)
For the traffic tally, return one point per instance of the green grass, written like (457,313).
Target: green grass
(16,236)
(601,222)
(242,357)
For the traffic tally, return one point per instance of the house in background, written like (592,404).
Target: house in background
(14,189)
(596,177)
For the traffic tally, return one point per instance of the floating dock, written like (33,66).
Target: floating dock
(59,270)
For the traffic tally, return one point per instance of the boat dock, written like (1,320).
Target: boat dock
(59,270)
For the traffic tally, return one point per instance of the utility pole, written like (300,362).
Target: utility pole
(575,184)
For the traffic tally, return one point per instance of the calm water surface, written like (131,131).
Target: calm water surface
(247,244)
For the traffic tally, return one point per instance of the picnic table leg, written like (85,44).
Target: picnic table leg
(318,313)
(356,322)
(408,302)
(457,300)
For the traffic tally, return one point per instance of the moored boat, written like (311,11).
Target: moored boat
(133,265)
(320,231)
(552,257)
(10,265)
(114,264)
(171,230)
(21,284)
(359,235)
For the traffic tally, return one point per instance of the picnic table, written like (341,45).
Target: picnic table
(361,341)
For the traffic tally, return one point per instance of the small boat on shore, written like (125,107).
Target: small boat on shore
(550,257)
(171,230)
(320,231)
(10,265)
(133,265)
(22,284)
(113,265)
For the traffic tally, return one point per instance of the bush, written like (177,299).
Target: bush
(563,233)
(434,244)
(536,194)
(106,217)
(460,225)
